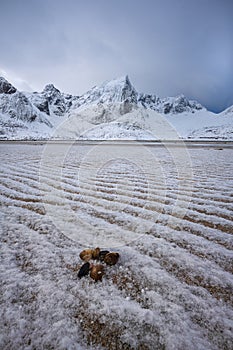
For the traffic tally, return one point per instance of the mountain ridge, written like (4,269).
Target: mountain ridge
(100,105)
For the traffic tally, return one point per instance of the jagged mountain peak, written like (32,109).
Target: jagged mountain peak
(116,91)
(50,101)
(119,81)
(6,87)
(51,89)
(119,85)
(179,104)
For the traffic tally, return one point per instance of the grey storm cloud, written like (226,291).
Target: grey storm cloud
(167,47)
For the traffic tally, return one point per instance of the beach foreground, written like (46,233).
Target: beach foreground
(168,213)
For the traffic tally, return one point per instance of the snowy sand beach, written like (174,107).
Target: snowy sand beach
(166,210)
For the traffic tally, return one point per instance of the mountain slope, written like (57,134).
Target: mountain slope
(114,110)
(51,101)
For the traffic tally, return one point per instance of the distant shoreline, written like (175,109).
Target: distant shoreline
(178,143)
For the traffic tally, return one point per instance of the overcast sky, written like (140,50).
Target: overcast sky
(167,47)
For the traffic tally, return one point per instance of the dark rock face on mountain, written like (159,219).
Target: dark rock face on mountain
(51,101)
(169,105)
(55,99)
(149,101)
(16,105)
(179,104)
(41,103)
(6,87)
(128,93)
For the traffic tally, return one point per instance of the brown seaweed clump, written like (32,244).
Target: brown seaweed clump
(97,272)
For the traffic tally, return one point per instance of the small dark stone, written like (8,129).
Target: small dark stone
(102,254)
(84,270)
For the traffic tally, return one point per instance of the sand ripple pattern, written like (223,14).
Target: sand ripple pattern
(172,288)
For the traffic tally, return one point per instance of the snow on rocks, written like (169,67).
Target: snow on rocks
(6,87)
(51,101)
(113,110)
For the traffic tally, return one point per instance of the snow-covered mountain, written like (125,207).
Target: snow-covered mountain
(114,110)
(120,92)
(16,105)
(51,101)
